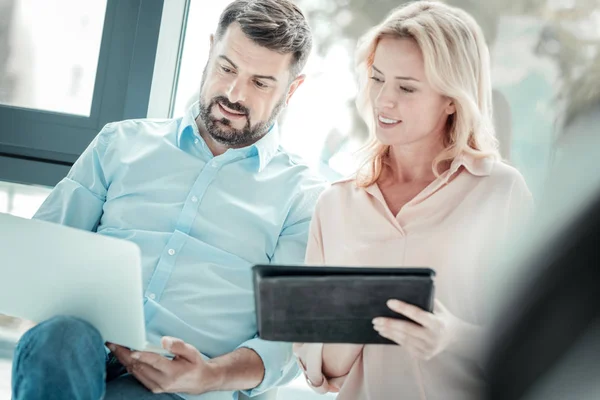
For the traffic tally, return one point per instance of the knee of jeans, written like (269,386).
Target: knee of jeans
(59,334)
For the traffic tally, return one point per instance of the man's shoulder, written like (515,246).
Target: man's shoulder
(294,165)
(141,127)
(288,158)
(301,182)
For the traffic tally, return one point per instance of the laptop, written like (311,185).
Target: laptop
(49,270)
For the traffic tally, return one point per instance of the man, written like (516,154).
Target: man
(205,197)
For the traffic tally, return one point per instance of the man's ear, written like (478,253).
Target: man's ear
(293,87)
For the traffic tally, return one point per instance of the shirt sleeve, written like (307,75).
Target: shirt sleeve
(278,358)
(291,246)
(310,355)
(314,248)
(78,199)
(504,249)
(521,204)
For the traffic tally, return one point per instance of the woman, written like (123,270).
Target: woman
(433,193)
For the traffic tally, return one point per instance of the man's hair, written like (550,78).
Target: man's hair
(277,25)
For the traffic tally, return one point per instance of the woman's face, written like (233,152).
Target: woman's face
(406,108)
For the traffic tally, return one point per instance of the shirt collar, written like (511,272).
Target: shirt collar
(188,125)
(477,166)
(266,147)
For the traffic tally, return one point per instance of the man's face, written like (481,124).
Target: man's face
(244,87)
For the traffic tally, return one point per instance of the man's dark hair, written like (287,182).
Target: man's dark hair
(277,25)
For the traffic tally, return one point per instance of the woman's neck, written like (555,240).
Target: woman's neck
(412,163)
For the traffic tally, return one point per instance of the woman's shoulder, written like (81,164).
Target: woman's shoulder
(505,178)
(340,192)
(503,173)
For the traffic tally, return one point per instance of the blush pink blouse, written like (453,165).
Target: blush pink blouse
(451,227)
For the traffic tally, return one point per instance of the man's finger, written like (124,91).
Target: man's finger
(180,348)
(156,361)
(123,354)
(148,376)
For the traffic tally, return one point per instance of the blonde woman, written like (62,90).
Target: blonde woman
(433,193)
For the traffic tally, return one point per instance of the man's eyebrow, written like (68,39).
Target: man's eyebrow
(266,77)
(229,61)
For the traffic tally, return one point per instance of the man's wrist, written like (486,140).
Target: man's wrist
(242,369)
(212,377)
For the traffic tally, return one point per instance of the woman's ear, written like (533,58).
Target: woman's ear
(450,108)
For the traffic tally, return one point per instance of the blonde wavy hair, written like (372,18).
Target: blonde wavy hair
(457,65)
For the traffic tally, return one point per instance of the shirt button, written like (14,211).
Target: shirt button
(171,252)
(152,296)
(196,141)
(194,199)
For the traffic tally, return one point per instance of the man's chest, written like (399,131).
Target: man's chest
(217,203)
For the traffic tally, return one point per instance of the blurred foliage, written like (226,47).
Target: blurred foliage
(6,79)
(345,21)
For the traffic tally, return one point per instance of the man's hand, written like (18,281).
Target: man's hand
(188,372)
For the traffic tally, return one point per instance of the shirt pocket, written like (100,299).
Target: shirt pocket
(220,268)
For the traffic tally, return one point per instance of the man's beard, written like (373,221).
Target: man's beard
(228,135)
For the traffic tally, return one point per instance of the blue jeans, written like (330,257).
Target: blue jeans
(64,358)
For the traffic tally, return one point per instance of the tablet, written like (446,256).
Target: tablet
(312,304)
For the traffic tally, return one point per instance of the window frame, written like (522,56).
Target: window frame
(39,147)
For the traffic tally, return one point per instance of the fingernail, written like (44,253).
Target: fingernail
(168,343)
(135,356)
(112,347)
(392,303)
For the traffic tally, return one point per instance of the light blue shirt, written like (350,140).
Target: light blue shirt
(200,221)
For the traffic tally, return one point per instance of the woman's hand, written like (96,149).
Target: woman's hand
(436,333)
